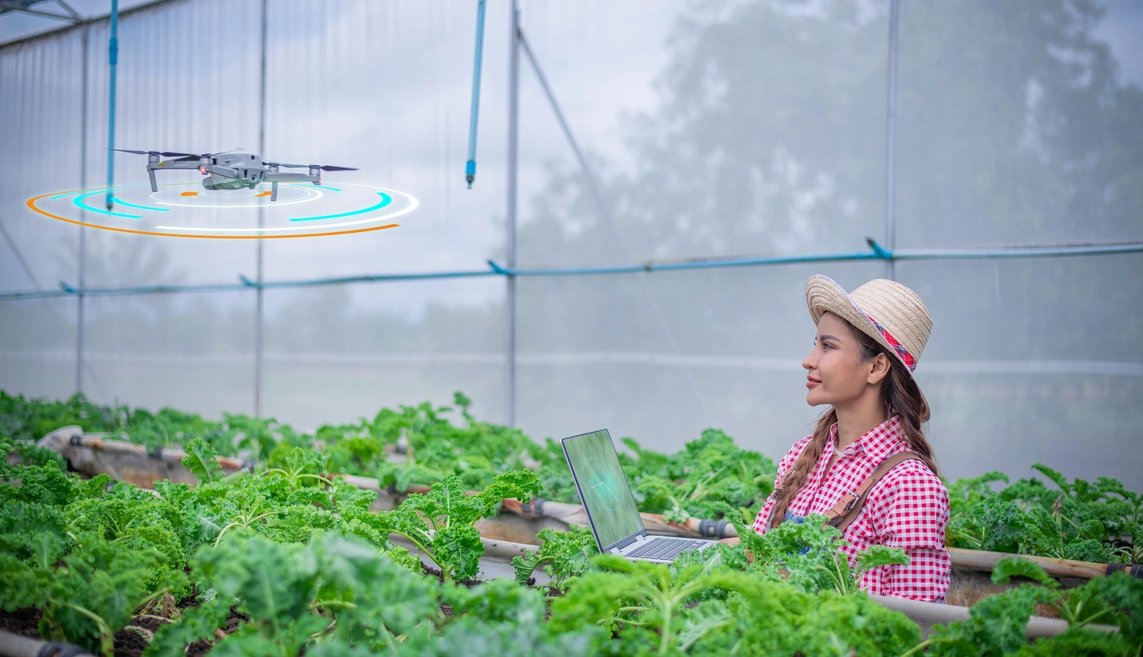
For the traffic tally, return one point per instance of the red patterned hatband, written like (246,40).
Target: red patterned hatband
(910,361)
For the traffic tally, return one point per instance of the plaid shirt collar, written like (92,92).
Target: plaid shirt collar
(879,443)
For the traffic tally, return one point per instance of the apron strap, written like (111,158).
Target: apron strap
(849,506)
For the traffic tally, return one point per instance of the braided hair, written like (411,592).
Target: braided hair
(900,396)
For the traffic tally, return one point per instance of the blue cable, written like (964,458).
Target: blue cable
(470,166)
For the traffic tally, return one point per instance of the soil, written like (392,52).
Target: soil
(24,622)
(149,623)
(203,646)
(429,570)
(235,621)
(189,601)
(129,643)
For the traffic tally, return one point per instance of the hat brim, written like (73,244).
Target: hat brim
(824,295)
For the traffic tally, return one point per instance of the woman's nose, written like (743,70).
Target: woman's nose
(811,362)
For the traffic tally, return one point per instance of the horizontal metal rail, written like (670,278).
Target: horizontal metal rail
(876,252)
(77,22)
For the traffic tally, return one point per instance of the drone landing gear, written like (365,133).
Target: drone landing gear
(154,185)
(274,191)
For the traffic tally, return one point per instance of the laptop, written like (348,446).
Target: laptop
(611,509)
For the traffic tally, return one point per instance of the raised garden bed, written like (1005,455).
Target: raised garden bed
(300,551)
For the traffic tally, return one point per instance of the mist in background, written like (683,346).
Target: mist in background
(715,128)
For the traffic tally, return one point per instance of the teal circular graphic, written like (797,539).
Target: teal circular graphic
(188,210)
(600,484)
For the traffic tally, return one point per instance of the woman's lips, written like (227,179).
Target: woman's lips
(811,382)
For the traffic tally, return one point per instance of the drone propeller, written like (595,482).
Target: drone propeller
(175,153)
(323,167)
(163,153)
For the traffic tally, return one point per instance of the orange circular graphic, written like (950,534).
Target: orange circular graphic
(298,211)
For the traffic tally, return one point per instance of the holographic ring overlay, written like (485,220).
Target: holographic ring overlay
(311,195)
(413,204)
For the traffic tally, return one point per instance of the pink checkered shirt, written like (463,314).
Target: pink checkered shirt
(907,509)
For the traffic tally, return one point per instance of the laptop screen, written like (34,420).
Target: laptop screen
(603,487)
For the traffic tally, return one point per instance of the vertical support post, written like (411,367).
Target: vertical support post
(593,185)
(891,138)
(81,318)
(510,242)
(113,59)
(470,165)
(259,311)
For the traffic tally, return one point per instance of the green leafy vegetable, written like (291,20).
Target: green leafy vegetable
(440,523)
(563,554)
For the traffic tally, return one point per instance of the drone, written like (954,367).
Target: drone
(232,169)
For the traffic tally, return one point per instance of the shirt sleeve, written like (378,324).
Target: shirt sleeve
(909,509)
(762,521)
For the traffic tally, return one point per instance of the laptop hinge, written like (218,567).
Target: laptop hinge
(619,545)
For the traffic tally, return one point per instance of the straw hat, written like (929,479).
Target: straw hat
(885,310)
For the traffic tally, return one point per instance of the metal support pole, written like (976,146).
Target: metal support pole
(81,319)
(891,138)
(593,185)
(70,12)
(259,311)
(470,166)
(510,242)
(113,59)
(9,6)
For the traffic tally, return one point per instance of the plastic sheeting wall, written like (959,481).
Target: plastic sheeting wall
(742,128)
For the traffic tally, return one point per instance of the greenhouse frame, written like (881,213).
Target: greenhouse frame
(299,385)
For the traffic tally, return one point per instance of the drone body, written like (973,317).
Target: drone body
(232,169)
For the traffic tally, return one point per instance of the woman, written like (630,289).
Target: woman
(867,347)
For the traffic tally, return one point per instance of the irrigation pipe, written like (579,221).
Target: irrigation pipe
(470,165)
(877,252)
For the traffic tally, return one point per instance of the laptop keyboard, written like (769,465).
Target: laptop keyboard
(664,549)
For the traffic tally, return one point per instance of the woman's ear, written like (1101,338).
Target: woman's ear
(880,369)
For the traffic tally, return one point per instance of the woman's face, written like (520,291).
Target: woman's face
(836,373)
